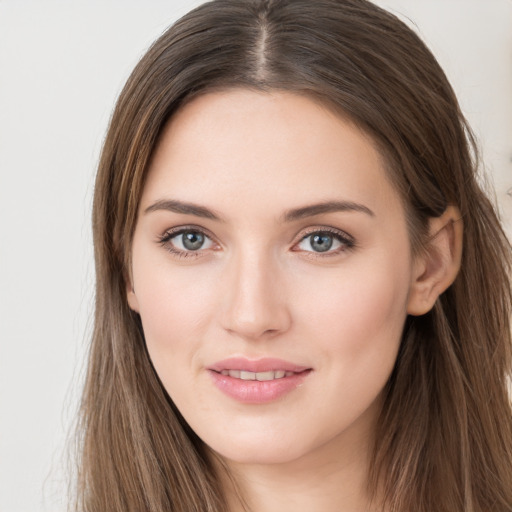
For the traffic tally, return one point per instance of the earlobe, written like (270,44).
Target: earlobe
(131,297)
(437,266)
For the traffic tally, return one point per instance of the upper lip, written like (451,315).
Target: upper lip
(266,364)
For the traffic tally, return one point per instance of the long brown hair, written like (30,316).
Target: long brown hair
(444,439)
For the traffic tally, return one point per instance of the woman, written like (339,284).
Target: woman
(303,294)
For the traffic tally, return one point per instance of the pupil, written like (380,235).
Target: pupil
(193,241)
(321,243)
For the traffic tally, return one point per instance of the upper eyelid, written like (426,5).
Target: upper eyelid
(172,232)
(324,229)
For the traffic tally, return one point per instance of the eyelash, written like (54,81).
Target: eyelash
(347,242)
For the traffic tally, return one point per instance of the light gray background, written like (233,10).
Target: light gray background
(62,64)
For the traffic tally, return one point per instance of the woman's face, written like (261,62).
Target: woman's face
(271,268)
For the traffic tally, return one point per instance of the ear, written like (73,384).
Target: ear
(437,266)
(130,295)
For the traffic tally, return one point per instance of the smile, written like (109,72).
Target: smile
(260,376)
(257,381)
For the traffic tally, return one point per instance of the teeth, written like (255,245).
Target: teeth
(265,376)
(260,376)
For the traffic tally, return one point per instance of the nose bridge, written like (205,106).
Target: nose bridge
(256,302)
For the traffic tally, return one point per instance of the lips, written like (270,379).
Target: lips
(257,366)
(256,382)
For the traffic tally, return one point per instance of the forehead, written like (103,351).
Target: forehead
(274,148)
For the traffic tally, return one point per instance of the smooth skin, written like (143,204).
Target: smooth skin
(228,260)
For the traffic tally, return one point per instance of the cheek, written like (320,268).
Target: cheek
(357,315)
(353,328)
(176,307)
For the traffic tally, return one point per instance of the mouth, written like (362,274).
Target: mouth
(257,382)
(259,376)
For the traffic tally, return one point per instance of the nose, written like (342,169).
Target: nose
(255,301)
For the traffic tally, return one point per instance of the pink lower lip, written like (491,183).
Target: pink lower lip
(257,392)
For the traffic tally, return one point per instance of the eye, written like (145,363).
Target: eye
(191,241)
(186,241)
(325,242)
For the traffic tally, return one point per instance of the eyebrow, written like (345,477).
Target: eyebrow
(327,207)
(176,206)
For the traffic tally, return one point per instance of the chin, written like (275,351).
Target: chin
(269,449)
(268,455)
